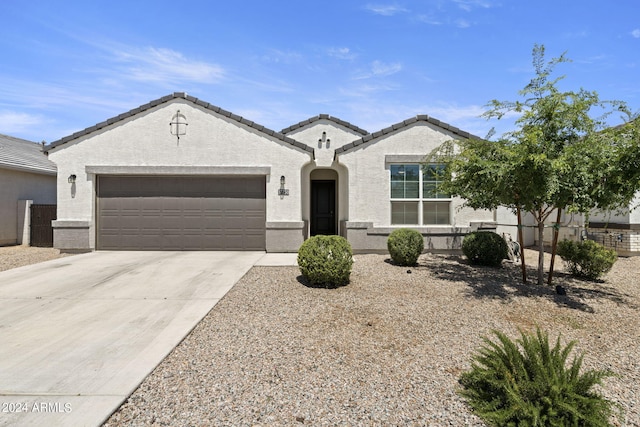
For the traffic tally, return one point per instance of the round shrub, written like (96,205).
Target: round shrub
(326,260)
(529,383)
(485,248)
(586,259)
(405,246)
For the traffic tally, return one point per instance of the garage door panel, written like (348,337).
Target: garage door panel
(254,222)
(181,213)
(254,243)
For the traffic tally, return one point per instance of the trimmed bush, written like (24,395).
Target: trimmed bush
(485,248)
(586,259)
(326,260)
(527,383)
(405,246)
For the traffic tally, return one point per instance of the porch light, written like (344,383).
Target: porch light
(282,191)
(71,179)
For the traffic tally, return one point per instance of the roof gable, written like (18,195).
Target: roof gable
(192,99)
(20,154)
(324,117)
(367,139)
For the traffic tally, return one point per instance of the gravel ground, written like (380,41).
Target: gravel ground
(387,349)
(18,256)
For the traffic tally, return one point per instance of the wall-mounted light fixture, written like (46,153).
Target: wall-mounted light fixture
(71,179)
(282,191)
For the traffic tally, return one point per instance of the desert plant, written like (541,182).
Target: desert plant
(527,383)
(405,246)
(485,248)
(326,260)
(586,259)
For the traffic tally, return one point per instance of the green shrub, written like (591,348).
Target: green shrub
(526,383)
(326,260)
(586,259)
(485,248)
(405,246)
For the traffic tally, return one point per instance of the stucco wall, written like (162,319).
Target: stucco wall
(369,178)
(145,140)
(336,135)
(623,217)
(20,185)
(634,215)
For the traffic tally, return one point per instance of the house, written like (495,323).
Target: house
(26,177)
(181,174)
(617,229)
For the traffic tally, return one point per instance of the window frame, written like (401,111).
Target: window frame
(420,200)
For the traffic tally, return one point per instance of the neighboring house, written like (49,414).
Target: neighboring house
(618,230)
(25,175)
(181,174)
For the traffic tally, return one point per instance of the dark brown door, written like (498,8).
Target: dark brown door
(181,213)
(41,229)
(323,207)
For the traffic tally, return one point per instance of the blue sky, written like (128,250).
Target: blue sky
(67,65)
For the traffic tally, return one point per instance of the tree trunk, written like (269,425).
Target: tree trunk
(554,246)
(521,242)
(540,252)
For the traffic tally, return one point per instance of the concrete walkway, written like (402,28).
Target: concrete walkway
(79,334)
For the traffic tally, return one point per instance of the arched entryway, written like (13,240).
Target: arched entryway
(324,202)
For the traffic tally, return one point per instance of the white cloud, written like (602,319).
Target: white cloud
(17,123)
(280,56)
(386,10)
(462,23)
(636,33)
(595,59)
(468,5)
(166,66)
(428,19)
(365,90)
(454,113)
(341,53)
(379,68)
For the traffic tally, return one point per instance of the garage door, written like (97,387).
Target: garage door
(181,213)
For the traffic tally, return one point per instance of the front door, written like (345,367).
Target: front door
(323,207)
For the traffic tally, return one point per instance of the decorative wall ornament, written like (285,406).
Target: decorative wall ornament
(324,140)
(178,125)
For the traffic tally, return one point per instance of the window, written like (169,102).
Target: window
(416,198)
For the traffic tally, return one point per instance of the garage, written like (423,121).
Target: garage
(181,212)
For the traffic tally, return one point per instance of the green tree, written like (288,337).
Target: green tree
(559,157)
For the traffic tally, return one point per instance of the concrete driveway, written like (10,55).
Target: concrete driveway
(79,334)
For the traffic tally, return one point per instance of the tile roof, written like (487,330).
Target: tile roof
(20,154)
(194,100)
(393,128)
(324,117)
